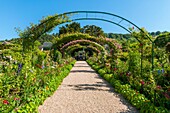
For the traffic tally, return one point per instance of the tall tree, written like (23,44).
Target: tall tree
(70,28)
(93,30)
(158,33)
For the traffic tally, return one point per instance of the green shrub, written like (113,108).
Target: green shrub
(133,96)
(101,72)
(107,77)
(41,56)
(57,56)
(25,92)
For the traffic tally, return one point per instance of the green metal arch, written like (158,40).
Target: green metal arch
(105,21)
(97,12)
(41,25)
(102,20)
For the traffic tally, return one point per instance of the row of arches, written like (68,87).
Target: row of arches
(30,35)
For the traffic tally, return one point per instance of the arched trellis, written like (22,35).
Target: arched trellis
(80,36)
(71,49)
(83,46)
(37,30)
(84,42)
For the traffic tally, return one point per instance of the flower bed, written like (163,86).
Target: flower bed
(132,95)
(26,91)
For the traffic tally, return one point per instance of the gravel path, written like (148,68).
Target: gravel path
(83,91)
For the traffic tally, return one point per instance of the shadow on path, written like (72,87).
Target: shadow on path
(102,86)
(81,66)
(94,87)
(82,89)
(85,71)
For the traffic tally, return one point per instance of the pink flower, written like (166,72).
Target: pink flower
(16,98)
(115,69)
(128,74)
(111,51)
(142,82)
(166,95)
(133,27)
(158,87)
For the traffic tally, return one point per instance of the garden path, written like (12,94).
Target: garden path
(84,91)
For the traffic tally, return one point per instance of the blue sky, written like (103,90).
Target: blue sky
(153,15)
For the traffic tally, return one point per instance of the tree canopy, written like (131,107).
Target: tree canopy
(75,27)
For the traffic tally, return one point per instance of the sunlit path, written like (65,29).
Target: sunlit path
(83,91)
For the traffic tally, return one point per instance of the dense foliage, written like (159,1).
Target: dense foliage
(147,89)
(75,27)
(24,85)
(162,40)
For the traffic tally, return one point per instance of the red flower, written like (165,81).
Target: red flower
(158,87)
(5,102)
(128,74)
(141,44)
(166,95)
(115,69)
(142,82)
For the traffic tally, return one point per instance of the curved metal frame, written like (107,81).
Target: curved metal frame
(121,19)
(118,23)
(106,21)
(97,12)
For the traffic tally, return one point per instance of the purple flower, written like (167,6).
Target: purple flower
(19,67)
(159,71)
(43,67)
(163,70)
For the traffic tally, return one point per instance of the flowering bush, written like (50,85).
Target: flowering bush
(141,91)
(23,86)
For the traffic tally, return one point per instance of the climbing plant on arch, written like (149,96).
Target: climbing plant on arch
(71,48)
(78,36)
(101,48)
(47,24)
(32,33)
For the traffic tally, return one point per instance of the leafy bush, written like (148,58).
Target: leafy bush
(102,72)
(107,77)
(135,90)
(57,56)
(24,92)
